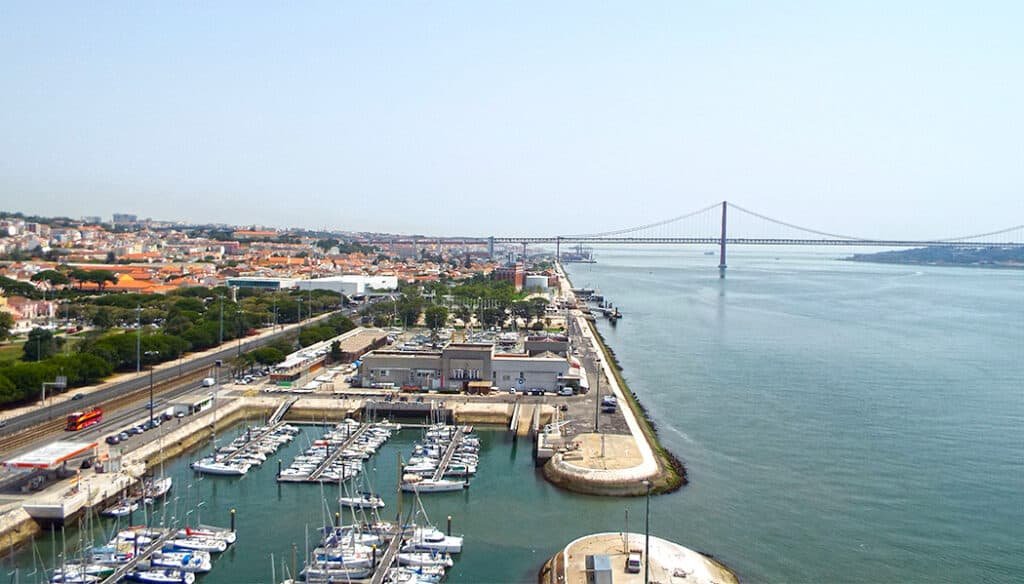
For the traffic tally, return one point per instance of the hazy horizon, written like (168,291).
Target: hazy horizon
(873,119)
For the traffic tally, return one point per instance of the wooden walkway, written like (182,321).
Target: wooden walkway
(446,459)
(390,554)
(252,439)
(338,450)
(144,554)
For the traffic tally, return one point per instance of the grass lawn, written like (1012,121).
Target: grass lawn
(11,351)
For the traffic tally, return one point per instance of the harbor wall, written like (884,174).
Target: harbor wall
(671,473)
(17,527)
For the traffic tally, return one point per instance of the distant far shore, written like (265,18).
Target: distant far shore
(1011,258)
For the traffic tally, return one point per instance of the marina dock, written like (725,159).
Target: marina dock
(446,458)
(142,555)
(252,439)
(387,560)
(327,462)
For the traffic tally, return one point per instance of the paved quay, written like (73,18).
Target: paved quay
(670,563)
(603,464)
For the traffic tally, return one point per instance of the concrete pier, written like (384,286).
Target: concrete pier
(670,563)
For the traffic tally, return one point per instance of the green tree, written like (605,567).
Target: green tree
(104,318)
(177,324)
(435,316)
(6,324)
(268,356)
(53,277)
(492,316)
(8,391)
(464,313)
(538,307)
(336,353)
(41,344)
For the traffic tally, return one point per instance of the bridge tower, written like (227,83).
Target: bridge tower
(558,249)
(490,247)
(721,245)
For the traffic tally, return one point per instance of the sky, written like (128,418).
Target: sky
(878,119)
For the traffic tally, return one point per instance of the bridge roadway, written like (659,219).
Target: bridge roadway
(553,240)
(58,411)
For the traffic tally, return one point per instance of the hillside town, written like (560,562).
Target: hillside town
(129,255)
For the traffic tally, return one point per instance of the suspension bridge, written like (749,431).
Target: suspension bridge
(722,225)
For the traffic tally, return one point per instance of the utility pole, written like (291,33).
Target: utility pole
(221,338)
(597,397)
(647,536)
(138,339)
(148,353)
(721,256)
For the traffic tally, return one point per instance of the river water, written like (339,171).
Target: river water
(840,422)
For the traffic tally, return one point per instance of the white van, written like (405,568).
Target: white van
(209,382)
(633,563)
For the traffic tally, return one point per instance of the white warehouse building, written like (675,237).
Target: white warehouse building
(350,285)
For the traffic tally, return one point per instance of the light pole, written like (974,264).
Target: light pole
(238,320)
(138,339)
(220,340)
(597,396)
(647,535)
(148,353)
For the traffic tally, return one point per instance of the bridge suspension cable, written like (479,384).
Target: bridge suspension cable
(797,227)
(647,226)
(980,235)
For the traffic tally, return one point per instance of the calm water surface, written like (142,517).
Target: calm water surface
(840,422)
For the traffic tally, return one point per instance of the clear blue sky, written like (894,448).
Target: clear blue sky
(876,118)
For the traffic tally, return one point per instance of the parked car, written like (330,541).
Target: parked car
(113,439)
(77,396)
(536,391)
(566,392)
(167,417)
(633,563)
(123,436)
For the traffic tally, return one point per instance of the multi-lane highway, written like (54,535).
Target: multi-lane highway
(188,369)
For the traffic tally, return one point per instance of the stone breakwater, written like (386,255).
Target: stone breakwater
(619,470)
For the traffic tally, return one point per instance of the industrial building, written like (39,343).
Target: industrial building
(455,366)
(350,285)
(262,283)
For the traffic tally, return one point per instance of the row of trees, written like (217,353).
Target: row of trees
(190,319)
(492,303)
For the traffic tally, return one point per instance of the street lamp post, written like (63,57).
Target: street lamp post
(647,535)
(597,396)
(221,337)
(138,339)
(148,353)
